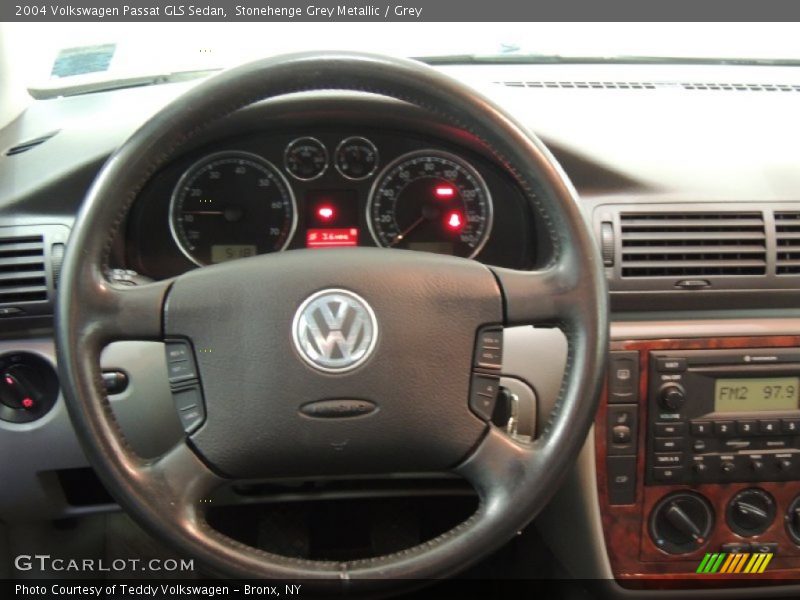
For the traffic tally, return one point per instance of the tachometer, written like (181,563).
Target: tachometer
(433,201)
(232,205)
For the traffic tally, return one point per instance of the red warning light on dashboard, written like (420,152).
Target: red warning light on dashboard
(331,238)
(444,191)
(325,213)
(454,221)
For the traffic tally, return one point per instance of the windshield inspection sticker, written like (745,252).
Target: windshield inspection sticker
(84,59)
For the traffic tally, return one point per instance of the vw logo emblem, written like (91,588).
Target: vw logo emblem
(334,330)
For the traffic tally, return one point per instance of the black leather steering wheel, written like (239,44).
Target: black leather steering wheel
(427,309)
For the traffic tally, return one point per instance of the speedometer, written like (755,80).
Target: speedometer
(232,205)
(432,201)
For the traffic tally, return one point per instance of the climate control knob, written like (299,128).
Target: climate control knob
(671,396)
(681,522)
(751,512)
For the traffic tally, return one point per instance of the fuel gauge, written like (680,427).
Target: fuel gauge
(356,158)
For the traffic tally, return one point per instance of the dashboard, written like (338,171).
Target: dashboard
(697,221)
(327,187)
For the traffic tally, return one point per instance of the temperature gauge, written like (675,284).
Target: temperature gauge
(356,158)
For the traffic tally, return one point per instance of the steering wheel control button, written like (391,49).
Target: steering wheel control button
(751,512)
(621,473)
(190,407)
(335,330)
(180,362)
(623,377)
(183,379)
(489,349)
(28,387)
(483,397)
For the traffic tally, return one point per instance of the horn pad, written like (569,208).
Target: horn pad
(391,329)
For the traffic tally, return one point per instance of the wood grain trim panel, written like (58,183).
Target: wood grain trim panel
(631,552)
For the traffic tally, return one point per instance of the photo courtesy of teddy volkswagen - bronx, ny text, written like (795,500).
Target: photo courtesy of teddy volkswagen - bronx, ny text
(386,11)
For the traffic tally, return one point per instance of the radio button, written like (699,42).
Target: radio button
(701,429)
(724,428)
(667,474)
(669,444)
(670,365)
(699,446)
(667,429)
(747,427)
(790,426)
(669,459)
(769,426)
(700,468)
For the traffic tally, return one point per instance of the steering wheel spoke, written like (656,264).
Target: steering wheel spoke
(549,295)
(183,478)
(131,312)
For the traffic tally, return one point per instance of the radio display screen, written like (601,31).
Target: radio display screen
(756,394)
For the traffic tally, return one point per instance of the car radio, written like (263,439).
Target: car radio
(718,416)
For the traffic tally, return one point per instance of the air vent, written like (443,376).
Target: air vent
(23,275)
(787,241)
(29,258)
(692,244)
(30,144)
(654,85)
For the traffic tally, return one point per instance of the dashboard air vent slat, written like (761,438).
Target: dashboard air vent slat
(22,270)
(787,241)
(692,244)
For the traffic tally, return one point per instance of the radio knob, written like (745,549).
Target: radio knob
(700,468)
(784,464)
(727,467)
(757,465)
(672,396)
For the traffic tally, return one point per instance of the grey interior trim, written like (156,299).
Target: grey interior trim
(145,412)
(577,503)
(632,330)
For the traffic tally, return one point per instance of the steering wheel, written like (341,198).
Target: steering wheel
(405,324)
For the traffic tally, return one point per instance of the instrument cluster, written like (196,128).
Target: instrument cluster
(322,189)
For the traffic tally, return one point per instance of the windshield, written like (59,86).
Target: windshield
(58,55)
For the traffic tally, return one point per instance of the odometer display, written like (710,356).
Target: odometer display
(230,205)
(431,201)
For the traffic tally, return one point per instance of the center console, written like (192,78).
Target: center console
(698,452)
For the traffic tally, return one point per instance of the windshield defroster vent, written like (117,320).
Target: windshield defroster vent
(692,244)
(30,144)
(787,242)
